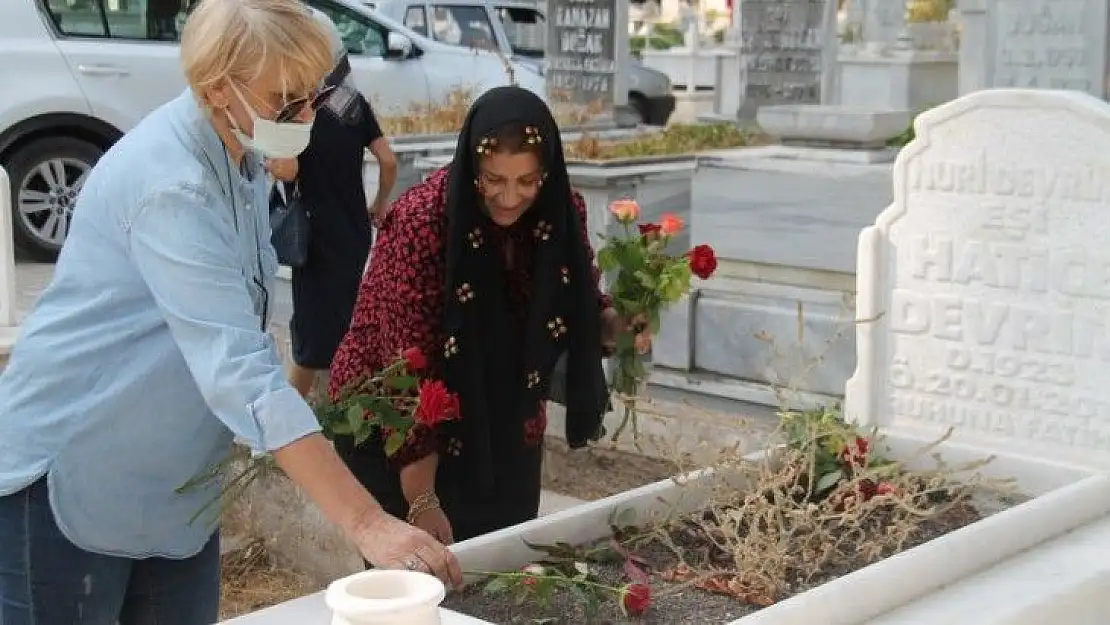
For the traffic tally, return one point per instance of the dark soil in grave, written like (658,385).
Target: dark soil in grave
(673,603)
(595,473)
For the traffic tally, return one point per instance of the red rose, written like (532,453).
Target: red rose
(415,359)
(855,452)
(436,404)
(703,261)
(636,599)
(650,229)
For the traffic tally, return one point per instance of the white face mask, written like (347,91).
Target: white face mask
(272,139)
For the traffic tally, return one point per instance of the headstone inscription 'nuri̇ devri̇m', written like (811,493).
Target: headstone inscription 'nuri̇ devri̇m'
(1049,44)
(782,44)
(582,51)
(984,289)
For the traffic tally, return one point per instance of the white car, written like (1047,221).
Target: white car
(77,74)
(519,29)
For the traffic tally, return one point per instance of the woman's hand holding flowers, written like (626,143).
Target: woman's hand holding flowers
(612,326)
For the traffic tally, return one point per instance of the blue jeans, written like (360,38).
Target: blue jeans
(46,580)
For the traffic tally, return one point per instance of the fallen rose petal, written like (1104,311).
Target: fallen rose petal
(635,573)
(679,573)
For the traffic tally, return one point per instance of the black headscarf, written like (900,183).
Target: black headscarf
(501,383)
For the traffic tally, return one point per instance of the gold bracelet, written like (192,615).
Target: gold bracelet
(421,504)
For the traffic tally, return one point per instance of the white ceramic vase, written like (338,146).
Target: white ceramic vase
(386,597)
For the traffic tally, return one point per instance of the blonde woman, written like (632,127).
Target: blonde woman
(147,352)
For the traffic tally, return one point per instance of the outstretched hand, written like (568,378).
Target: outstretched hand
(390,543)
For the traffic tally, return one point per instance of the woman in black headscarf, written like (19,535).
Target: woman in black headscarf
(487,268)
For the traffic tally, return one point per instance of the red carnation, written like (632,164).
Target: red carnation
(648,230)
(415,359)
(703,261)
(436,404)
(636,599)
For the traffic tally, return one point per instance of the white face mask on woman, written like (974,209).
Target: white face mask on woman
(272,139)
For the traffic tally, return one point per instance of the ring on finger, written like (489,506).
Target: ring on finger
(413,563)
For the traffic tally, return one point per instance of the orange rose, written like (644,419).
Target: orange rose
(671,224)
(625,210)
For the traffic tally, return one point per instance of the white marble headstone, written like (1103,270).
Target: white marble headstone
(1035,44)
(989,277)
(7,255)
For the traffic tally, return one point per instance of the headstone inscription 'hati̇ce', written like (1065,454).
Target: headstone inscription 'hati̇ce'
(583,44)
(984,289)
(781,42)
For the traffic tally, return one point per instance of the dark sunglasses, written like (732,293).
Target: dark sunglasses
(313,100)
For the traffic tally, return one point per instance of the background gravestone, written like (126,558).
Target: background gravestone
(782,46)
(587,48)
(990,278)
(1034,44)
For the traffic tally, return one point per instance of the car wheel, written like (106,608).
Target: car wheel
(639,105)
(46,176)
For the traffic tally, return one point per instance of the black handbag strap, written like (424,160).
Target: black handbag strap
(292,192)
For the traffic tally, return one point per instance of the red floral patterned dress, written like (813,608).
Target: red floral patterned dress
(400,305)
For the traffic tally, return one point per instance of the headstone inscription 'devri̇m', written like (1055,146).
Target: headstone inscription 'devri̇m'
(984,288)
(583,43)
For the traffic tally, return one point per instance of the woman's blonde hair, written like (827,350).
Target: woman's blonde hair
(240,39)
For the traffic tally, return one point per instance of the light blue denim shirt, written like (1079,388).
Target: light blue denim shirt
(146,352)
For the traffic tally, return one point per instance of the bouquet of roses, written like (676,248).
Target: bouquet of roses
(644,279)
(392,400)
